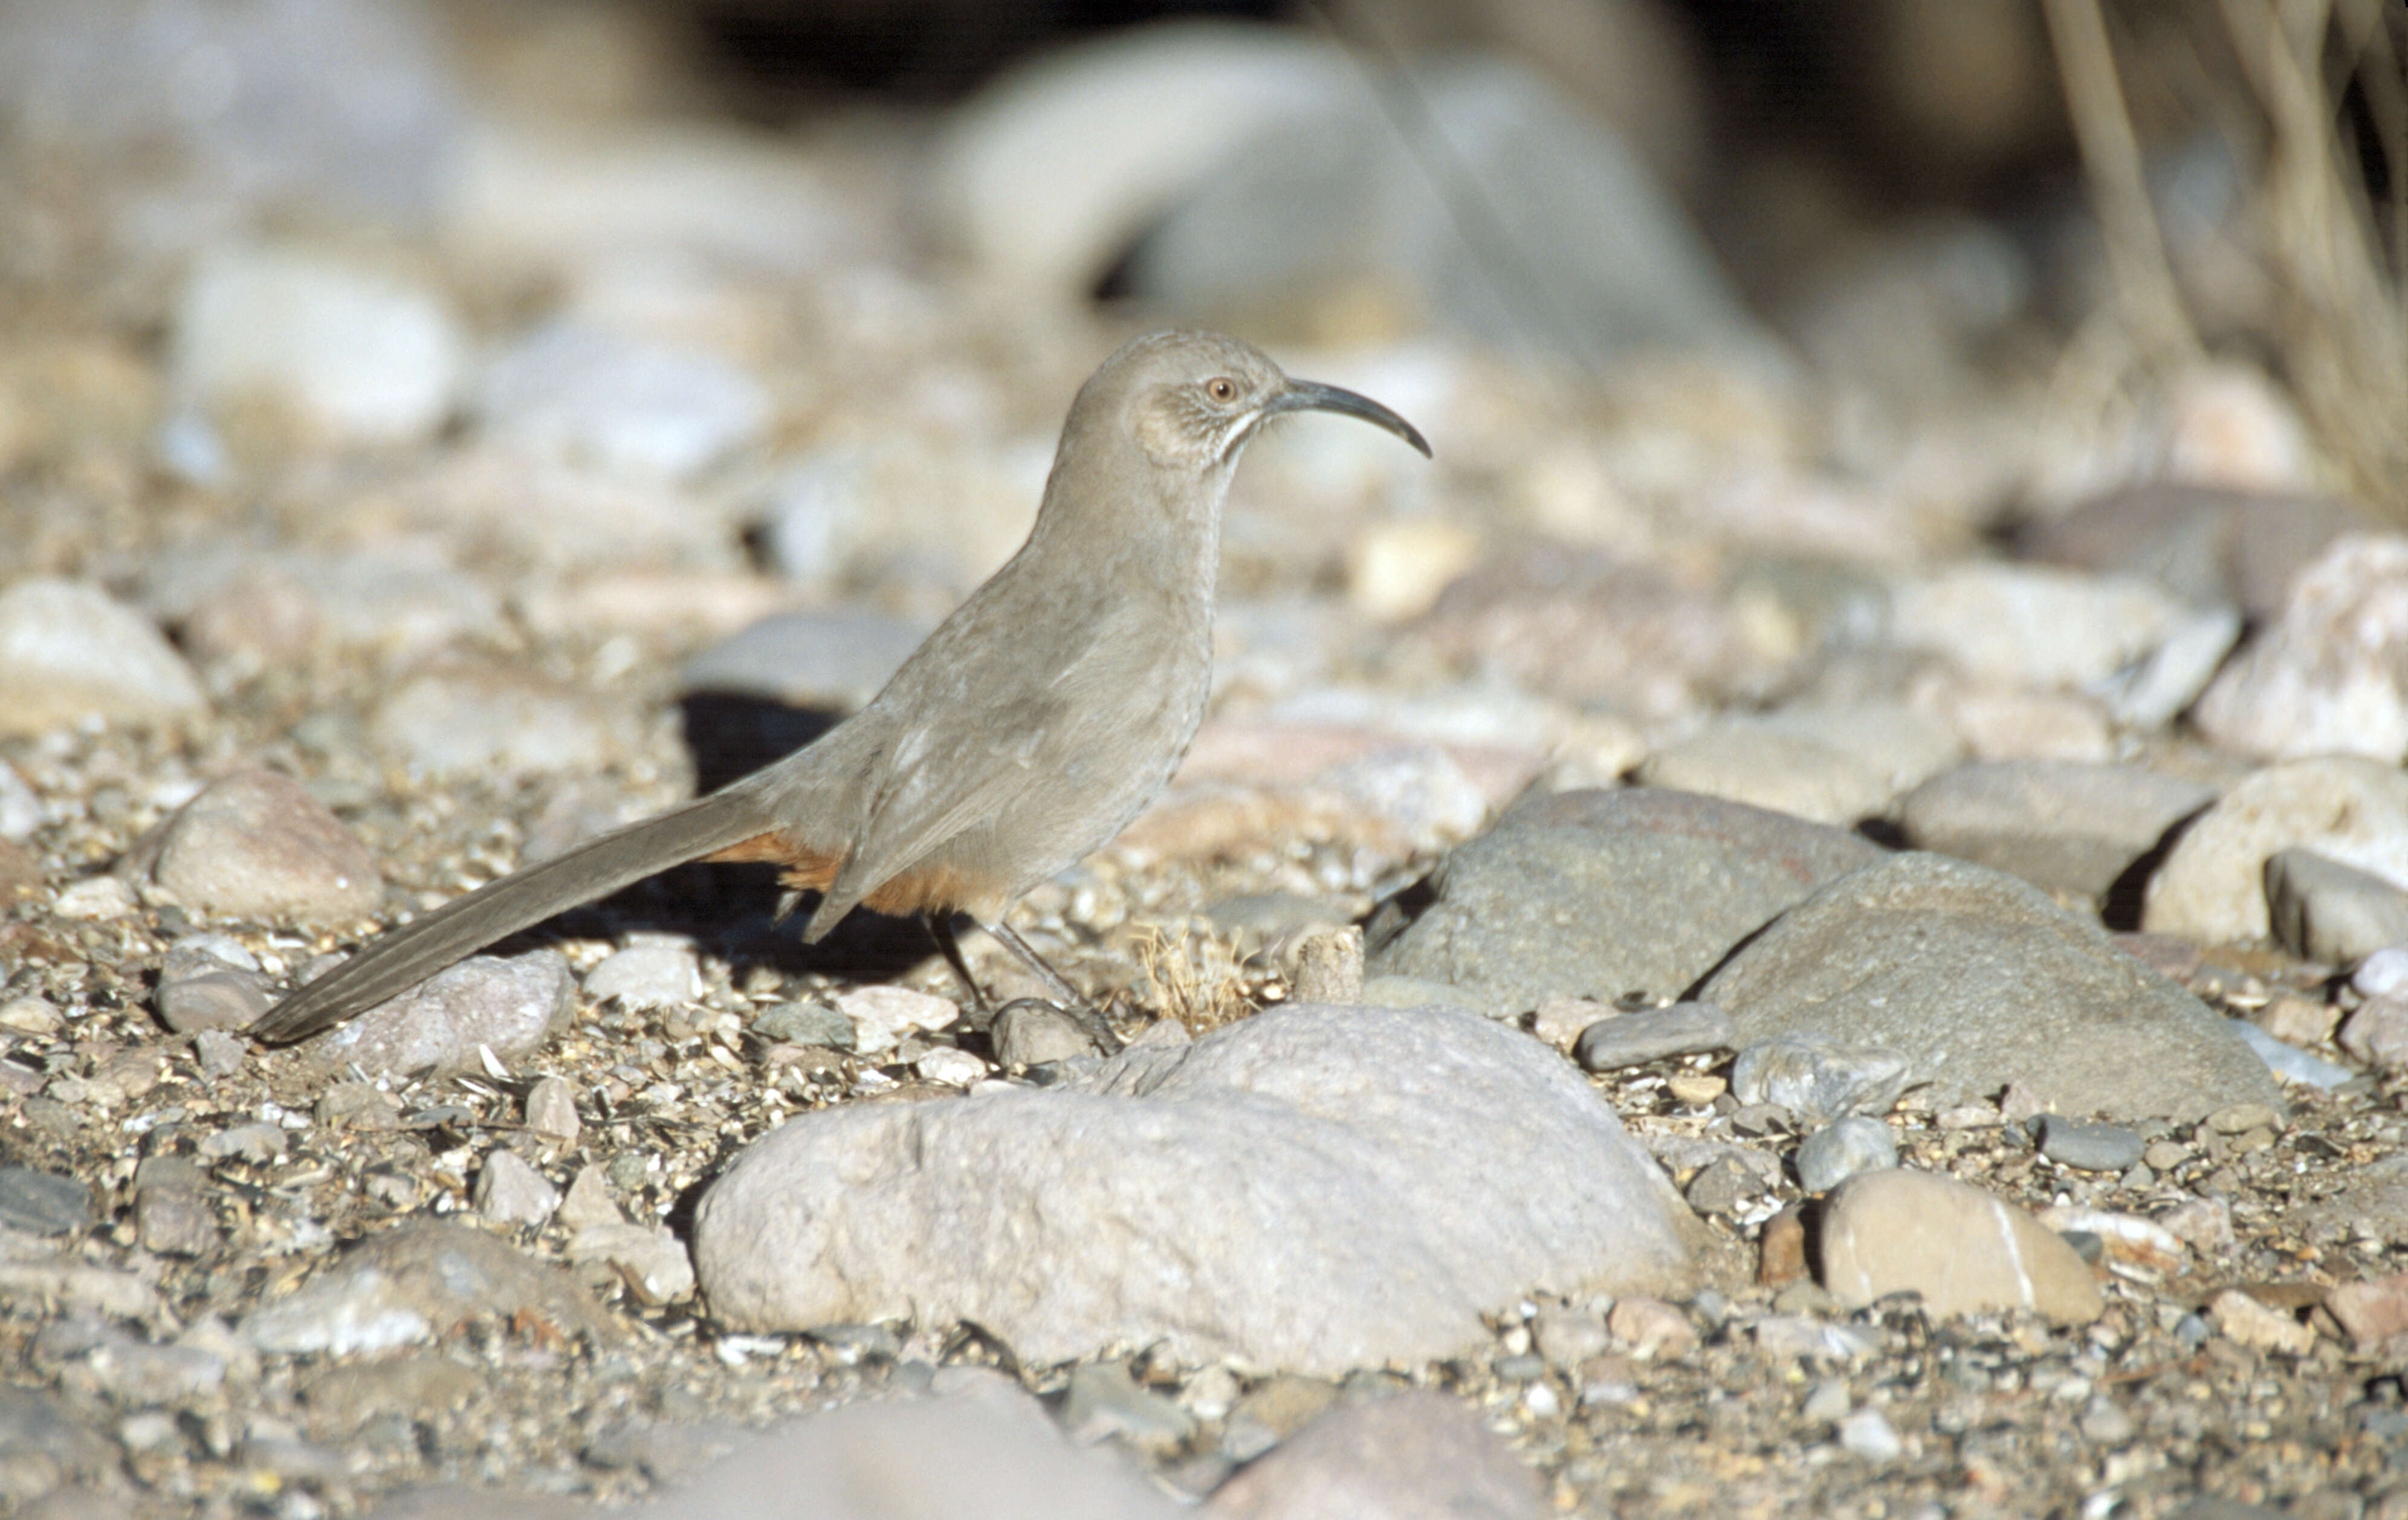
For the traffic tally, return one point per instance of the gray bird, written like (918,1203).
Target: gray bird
(1028,729)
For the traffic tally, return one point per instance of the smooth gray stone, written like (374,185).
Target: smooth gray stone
(1653,1034)
(42,1202)
(1593,893)
(1312,1188)
(2059,824)
(2070,1143)
(2288,1062)
(2326,910)
(1818,1080)
(511,1006)
(1841,1149)
(1979,980)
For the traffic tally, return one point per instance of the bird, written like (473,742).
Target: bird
(1041,717)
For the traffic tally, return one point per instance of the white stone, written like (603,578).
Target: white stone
(643,409)
(2331,675)
(881,1015)
(1315,1189)
(364,355)
(69,651)
(2034,626)
(2212,885)
(646,975)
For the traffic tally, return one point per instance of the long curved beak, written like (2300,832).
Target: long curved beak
(1312,395)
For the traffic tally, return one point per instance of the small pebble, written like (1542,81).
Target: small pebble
(511,1192)
(588,1201)
(552,1110)
(1867,1433)
(954,1067)
(2384,973)
(1818,1081)
(648,975)
(2088,1147)
(1636,1039)
(1029,1033)
(2242,1117)
(1841,1150)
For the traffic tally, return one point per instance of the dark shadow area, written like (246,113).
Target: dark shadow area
(731,736)
(2119,911)
(1882,831)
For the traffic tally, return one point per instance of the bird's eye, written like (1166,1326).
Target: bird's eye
(1221,388)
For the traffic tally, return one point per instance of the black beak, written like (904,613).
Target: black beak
(1312,395)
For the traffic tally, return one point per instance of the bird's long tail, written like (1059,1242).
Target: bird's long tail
(417,950)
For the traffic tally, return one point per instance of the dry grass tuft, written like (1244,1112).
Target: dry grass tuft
(1194,976)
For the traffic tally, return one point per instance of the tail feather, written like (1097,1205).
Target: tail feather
(417,950)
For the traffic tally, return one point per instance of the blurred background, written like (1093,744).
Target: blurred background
(344,332)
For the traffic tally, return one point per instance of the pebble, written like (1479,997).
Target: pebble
(1742,760)
(2372,1311)
(69,651)
(363,355)
(221,1053)
(1978,981)
(1103,1402)
(651,1260)
(1817,1081)
(1028,1033)
(1652,1328)
(494,723)
(2033,625)
(2383,973)
(1607,861)
(2211,888)
(1264,1153)
(552,1110)
(199,990)
(805,1024)
(881,1015)
(591,398)
(2058,825)
(417,1282)
(2243,1321)
(2088,1147)
(2326,677)
(20,809)
(172,1212)
(1901,745)
(511,1192)
(2241,1118)
(131,1371)
(43,1203)
(952,1067)
(1567,1336)
(1327,966)
(1721,1187)
(2326,910)
(509,1006)
(2204,544)
(1963,1249)
(1868,1434)
(588,1201)
(258,1142)
(2387,1032)
(256,846)
(1412,1454)
(646,975)
(95,898)
(1841,1149)
(1652,1035)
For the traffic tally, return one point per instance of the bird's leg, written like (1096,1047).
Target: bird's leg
(940,929)
(1088,1016)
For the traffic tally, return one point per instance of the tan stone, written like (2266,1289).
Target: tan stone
(1964,1250)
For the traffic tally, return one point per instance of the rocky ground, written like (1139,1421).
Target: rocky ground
(1813,919)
